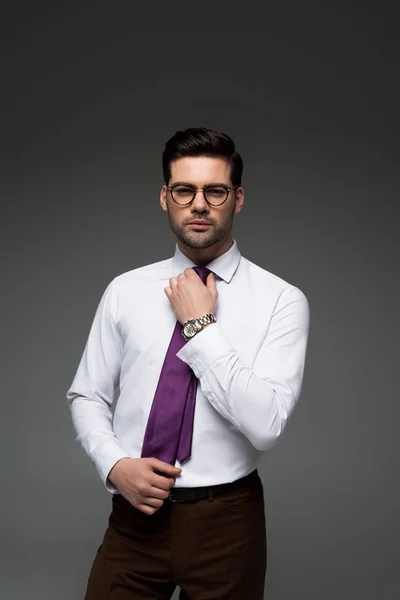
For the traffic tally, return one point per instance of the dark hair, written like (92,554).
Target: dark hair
(199,141)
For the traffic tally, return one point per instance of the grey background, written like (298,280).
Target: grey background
(310,96)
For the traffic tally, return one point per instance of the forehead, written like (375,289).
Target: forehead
(200,170)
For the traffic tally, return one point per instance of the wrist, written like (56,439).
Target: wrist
(197,315)
(193,326)
(116,469)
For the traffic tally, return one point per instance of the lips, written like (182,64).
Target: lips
(199,226)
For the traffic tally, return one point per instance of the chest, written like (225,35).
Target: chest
(147,320)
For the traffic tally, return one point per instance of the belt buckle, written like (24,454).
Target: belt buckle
(173,497)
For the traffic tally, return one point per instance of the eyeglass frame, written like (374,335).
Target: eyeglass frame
(196,189)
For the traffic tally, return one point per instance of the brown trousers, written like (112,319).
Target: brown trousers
(214,549)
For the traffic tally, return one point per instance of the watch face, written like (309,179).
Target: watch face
(190,329)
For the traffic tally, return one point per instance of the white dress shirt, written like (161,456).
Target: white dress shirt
(249,364)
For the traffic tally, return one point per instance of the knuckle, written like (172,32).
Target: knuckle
(142,488)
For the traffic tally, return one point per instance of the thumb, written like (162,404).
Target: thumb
(162,466)
(211,285)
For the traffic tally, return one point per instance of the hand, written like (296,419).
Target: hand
(189,297)
(136,480)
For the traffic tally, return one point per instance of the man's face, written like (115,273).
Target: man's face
(200,171)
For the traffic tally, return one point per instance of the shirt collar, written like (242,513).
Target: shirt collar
(224,266)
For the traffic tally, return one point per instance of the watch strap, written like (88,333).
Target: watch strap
(199,323)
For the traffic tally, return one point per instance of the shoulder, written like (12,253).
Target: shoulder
(272,285)
(146,273)
(137,282)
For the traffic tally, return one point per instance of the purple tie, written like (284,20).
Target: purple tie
(169,429)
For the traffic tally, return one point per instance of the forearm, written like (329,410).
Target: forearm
(257,400)
(92,421)
(258,408)
(91,394)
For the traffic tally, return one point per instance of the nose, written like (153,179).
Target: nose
(199,203)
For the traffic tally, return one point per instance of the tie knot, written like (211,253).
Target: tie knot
(202,272)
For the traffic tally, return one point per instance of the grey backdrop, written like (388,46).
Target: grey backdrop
(311,99)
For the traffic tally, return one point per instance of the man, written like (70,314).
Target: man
(208,351)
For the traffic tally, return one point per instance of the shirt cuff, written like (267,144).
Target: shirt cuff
(105,457)
(205,348)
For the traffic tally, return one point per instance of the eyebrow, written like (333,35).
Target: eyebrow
(192,184)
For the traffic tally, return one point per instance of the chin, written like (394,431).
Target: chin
(200,239)
(200,243)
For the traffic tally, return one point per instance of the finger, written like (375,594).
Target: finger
(145,508)
(160,494)
(161,482)
(147,497)
(168,291)
(211,284)
(173,282)
(152,501)
(211,279)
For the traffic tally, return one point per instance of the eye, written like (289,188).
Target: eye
(217,191)
(182,190)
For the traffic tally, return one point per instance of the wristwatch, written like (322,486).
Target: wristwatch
(193,326)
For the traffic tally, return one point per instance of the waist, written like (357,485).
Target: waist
(191,494)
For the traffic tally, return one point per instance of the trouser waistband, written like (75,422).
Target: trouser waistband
(191,494)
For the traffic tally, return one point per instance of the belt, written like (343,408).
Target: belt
(191,494)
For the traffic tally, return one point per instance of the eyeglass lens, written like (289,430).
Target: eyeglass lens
(183,194)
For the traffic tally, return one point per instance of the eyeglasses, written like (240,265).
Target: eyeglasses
(184,194)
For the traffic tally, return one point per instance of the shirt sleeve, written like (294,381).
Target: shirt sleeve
(91,394)
(259,400)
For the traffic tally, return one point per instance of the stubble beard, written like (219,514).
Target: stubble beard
(201,239)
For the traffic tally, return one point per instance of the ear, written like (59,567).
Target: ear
(239,200)
(163,198)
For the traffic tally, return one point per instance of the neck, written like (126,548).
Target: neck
(203,256)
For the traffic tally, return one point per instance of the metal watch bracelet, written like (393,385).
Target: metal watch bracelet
(196,325)
(206,319)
